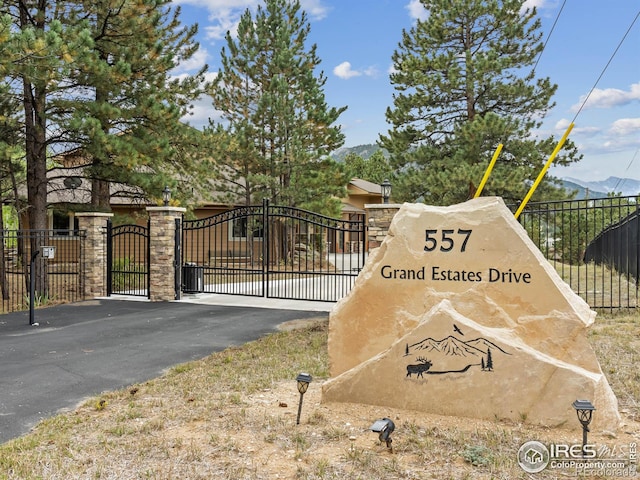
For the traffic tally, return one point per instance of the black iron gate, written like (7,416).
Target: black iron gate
(56,279)
(273,251)
(128,259)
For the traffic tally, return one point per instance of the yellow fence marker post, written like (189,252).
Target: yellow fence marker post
(543,171)
(488,172)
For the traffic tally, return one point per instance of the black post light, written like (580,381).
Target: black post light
(304,379)
(584,410)
(385,188)
(384,428)
(166,195)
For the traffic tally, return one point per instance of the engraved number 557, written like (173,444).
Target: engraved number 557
(446,240)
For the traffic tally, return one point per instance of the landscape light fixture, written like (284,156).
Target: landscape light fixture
(304,379)
(584,409)
(384,428)
(385,188)
(166,195)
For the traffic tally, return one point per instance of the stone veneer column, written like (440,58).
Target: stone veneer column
(379,217)
(162,229)
(93,277)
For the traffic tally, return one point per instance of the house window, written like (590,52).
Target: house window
(240,226)
(64,223)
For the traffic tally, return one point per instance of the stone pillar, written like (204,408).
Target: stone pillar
(94,255)
(379,217)
(162,230)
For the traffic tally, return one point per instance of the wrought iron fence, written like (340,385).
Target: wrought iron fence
(56,280)
(273,251)
(570,235)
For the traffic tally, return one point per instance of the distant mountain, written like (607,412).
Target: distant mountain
(590,189)
(600,188)
(365,151)
(583,192)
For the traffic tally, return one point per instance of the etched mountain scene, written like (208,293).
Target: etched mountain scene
(453,355)
(458,313)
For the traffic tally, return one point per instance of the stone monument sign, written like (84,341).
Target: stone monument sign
(458,313)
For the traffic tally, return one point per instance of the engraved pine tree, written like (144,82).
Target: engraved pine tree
(489,364)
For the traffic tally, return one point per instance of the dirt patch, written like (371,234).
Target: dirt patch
(298,324)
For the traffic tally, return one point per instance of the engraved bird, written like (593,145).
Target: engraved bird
(457,330)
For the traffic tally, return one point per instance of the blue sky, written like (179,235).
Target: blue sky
(356,38)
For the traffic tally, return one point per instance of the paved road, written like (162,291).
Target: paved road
(83,349)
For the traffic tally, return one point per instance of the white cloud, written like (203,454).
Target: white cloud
(535,3)
(625,126)
(223,24)
(314,8)
(224,15)
(609,97)
(562,125)
(417,10)
(345,71)
(196,62)
(371,71)
(220,5)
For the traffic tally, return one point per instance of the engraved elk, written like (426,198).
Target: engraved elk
(419,368)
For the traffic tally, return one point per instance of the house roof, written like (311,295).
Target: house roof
(367,187)
(349,208)
(70,185)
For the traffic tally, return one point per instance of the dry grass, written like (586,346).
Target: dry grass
(232,416)
(599,285)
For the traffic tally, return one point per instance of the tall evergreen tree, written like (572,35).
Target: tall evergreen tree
(464,83)
(35,64)
(279,127)
(97,76)
(37,49)
(10,140)
(126,115)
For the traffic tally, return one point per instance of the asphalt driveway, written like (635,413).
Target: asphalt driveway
(83,349)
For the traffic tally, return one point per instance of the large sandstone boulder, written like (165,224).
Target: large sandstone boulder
(458,313)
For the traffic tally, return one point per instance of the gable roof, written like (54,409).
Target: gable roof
(367,187)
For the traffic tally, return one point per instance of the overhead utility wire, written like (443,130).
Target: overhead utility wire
(499,149)
(606,66)
(628,167)
(566,134)
(549,36)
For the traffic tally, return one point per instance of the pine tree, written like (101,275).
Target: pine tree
(96,75)
(34,64)
(279,127)
(375,169)
(11,146)
(464,83)
(127,115)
